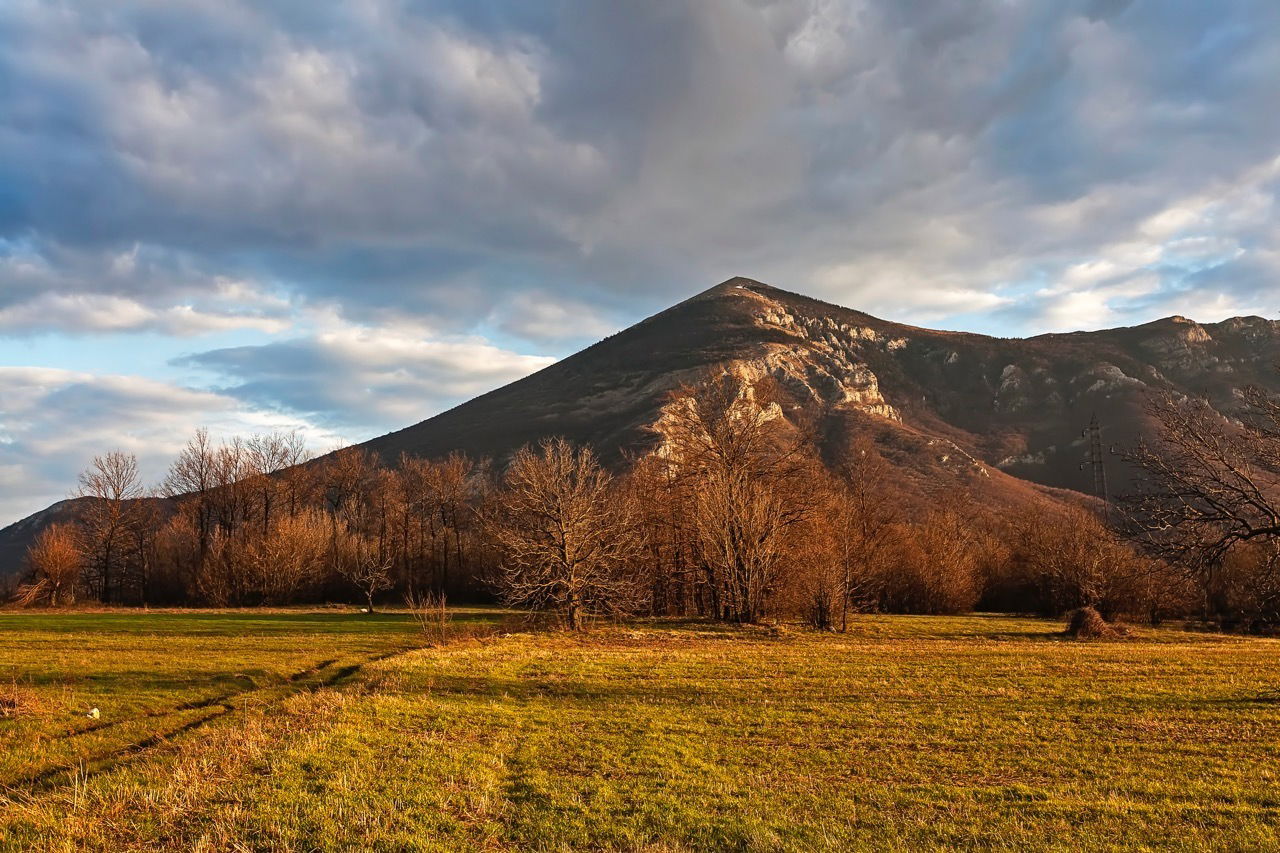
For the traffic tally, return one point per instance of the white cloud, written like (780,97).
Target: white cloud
(366,379)
(53,422)
(96,312)
(893,289)
(53,288)
(543,316)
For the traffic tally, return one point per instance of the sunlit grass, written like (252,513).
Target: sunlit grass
(909,732)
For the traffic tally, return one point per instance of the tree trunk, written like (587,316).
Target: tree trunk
(106,573)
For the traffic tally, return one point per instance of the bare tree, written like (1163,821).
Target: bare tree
(112,484)
(1207,487)
(816,585)
(567,541)
(55,560)
(453,484)
(745,475)
(360,560)
(269,454)
(674,572)
(860,520)
(288,556)
(437,509)
(191,477)
(934,565)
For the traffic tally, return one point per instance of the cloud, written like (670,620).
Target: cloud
(53,288)
(53,422)
(86,312)
(364,380)
(546,317)
(376,156)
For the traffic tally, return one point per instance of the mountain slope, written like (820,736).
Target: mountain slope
(1000,417)
(1019,405)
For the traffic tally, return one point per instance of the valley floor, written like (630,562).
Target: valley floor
(330,730)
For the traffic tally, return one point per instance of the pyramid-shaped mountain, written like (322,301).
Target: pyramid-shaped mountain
(1000,417)
(970,402)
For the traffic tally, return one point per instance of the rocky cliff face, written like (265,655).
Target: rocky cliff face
(1001,416)
(1015,405)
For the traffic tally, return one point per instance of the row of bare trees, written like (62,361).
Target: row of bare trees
(734,516)
(245,522)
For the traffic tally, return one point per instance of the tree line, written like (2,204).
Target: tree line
(736,516)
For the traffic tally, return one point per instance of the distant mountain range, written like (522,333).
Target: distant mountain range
(1001,417)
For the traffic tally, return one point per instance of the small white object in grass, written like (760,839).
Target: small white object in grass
(364,610)
(93,714)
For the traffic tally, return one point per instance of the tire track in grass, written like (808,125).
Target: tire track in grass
(195,704)
(50,779)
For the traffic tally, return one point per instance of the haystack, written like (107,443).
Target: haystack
(1088,624)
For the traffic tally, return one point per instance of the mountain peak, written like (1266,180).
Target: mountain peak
(743,282)
(731,286)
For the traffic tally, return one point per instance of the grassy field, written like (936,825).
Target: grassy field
(326,730)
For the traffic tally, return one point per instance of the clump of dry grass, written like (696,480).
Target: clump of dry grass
(19,701)
(431,612)
(1088,624)
(434,618)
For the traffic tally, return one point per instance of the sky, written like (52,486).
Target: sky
(342,219)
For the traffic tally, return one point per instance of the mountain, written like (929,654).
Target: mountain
(1001,417)
(1013,405)
(15,538)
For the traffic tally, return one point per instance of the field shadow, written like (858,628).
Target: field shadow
(535,688)
(1263,697)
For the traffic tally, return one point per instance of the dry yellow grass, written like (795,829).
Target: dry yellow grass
(907,733)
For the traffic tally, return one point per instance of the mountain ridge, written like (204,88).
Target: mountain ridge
(948,408)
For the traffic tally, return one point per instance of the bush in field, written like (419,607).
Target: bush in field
(430,611)
(1086,623)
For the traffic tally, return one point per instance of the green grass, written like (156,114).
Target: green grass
(907,733)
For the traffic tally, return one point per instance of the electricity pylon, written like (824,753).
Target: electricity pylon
(1097,461)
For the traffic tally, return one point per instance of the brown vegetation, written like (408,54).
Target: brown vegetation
(56,560)
(567,539)
(744,485)
(734,515)
(1085,623)
(1209,502)
(430,610)
(18,700)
